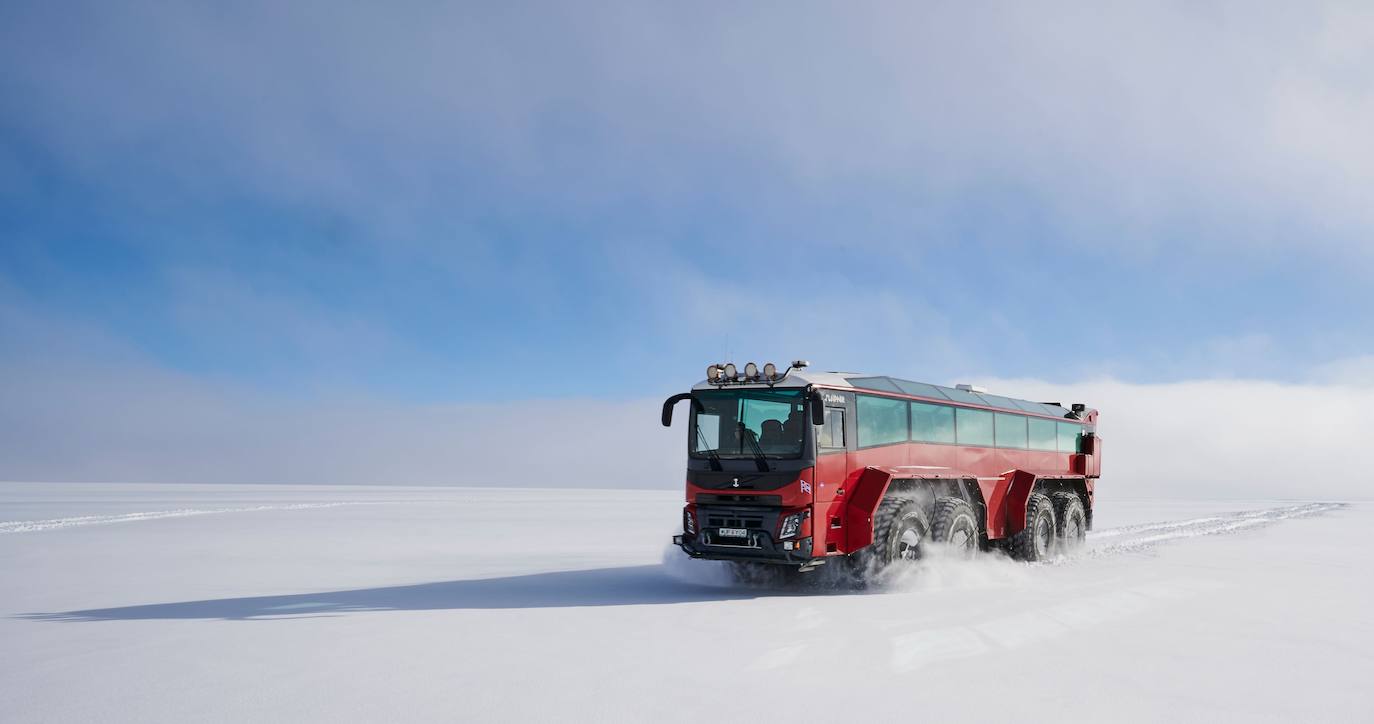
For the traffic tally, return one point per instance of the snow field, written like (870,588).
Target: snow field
(434,604)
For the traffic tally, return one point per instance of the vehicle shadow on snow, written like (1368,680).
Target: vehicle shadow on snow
(621,586)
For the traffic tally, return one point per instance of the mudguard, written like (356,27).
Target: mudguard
(1004,496)
(861,504)
(1006,500)
(866,494)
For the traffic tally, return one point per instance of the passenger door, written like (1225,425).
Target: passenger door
(833,442)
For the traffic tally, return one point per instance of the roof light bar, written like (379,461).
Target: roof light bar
(724,373)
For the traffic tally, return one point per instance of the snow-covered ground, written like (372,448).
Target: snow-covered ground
(239,603)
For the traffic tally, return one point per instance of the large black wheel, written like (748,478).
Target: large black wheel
(899,528)
(955,525)
(1035,542)
(1071,519)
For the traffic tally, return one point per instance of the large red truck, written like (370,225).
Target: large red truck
(802,468)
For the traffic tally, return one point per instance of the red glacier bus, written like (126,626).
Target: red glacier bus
(802,468)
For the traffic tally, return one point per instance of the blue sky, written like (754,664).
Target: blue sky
(431,205)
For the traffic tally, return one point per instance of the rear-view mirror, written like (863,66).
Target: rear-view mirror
(667,417)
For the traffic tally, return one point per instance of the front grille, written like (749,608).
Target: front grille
(741,481)
(759,522)
(734,520)
(709,499)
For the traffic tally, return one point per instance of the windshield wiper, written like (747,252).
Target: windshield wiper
(711,453)
(760,460)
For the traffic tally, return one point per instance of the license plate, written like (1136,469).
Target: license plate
(733,533)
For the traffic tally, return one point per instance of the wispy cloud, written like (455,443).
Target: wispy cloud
(1226,438)
(86,407)
(1132,119)
(93,421)
(268,227)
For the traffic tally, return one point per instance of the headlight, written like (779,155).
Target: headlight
(791,525)
(689,524)
(751,371)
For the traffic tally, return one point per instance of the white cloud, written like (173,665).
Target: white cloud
(1351,371)
(1122,119)
(1226,438)
(89,420)
(117,424)
(1248,119)
(81,405)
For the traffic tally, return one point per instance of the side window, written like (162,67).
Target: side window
(1068,437)
(1042,434)
(1011,431)
(973,427)
(932,423)
(831,434)
(882,420)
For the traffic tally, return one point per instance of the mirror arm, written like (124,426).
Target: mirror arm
(667,417)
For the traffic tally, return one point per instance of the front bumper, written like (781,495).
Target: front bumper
(759,548)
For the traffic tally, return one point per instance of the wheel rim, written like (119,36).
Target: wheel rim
(962,536)
(1075,531)
(1043,536)
(908,545)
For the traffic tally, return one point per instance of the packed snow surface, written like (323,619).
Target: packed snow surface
(238,603)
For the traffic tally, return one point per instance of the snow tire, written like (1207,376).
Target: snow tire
(956,525)
(1037,541)
(1071,520)
(899,527)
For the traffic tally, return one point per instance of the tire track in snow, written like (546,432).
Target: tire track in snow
(1138,537)
(29,526)
(918,649)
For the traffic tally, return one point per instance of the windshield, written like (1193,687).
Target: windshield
(732,421)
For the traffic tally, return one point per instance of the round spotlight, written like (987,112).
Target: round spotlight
(751,371)
(730,371)
(770,371)
(712,373)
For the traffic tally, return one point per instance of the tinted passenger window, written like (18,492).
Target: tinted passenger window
(974,427)
(882,421)
(1042,434)
(932,423)
(832,432)
(1068,437)
(1011,431)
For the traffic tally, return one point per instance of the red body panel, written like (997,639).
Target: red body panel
(868,490)
(1005,478)
(1009,516)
